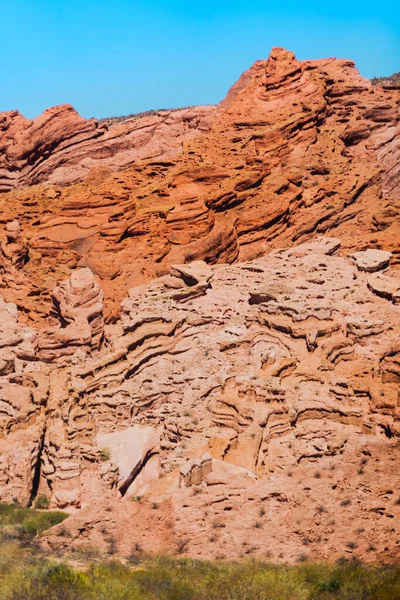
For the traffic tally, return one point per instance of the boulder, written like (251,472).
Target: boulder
(386,285)
(131,450)
(371,260)
(195,471)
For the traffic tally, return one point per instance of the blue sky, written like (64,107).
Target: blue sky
(117,57)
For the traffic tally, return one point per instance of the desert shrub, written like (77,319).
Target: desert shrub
(351,580)
(51,582)
(105,454)
(136,554)
(27,521)
(352,545)
(182,544)
(113,581)
(29,575)
(167,579)
(42,502)
(37,523)
(251,580)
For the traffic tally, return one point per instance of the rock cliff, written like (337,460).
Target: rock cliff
(260,395)
(61,147)
(296,149)
(200,353)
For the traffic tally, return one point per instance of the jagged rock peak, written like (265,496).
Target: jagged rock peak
(278,54)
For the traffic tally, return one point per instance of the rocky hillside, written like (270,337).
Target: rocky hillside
(296,149)
(201,351)
(392,82)
(60,147)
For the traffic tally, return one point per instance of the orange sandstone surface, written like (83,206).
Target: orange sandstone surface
(199,320)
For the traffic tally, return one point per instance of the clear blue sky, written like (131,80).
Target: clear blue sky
(116,57)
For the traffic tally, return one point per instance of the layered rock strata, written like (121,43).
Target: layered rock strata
(296,149)
(185,364)
(61,147)
(219,391)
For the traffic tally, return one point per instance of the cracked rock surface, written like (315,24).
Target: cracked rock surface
(280,374)
(199,320)
(297,149)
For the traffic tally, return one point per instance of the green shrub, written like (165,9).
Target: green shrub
(27,574)
(51,582)
(105,454)
(42,502)
(27,521)
(42,521)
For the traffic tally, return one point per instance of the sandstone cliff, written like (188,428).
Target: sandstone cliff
(61,147)
(242,407)
(204,346)
(297,148)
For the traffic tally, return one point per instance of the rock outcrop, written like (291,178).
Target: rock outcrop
(296,149)
(211,376)
(195,471)
(78,305)
(276,371)
(372,260)
(60,147)
(14,248)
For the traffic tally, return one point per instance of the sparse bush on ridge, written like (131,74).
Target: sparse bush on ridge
(148,113)
(392,82)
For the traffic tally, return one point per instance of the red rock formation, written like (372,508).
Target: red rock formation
(61,147)
(297,148)
(241,381)
(283,368)
(78,305)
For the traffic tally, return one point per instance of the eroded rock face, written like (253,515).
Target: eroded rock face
(296,149)
(133,451)
(195,471)
(78,304)
(60,147)
(14,247)
(223,402)
(79,299)
(247,399)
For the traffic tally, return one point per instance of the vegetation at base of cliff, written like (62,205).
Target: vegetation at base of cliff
(27,574)
(18,522)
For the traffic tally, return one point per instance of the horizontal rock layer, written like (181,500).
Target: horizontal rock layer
(185,364)
(220,386)
(296,149)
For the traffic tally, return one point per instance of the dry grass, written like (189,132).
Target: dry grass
(27,573)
